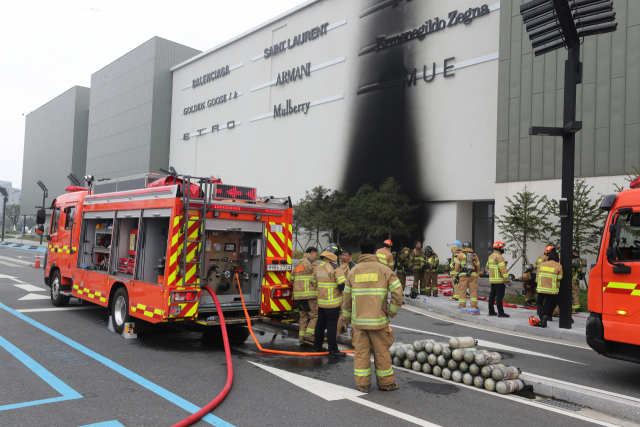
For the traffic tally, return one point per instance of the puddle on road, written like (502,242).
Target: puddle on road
(432,389)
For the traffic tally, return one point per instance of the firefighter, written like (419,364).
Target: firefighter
(456,248)
(402,266)
(328,278)
(549,276)
(306,295)
(431,263)
(417,259)
(576,267)
(367,287)
(543,258)
(347,261)
(498,277)
(384,254)
(467,270)
(528,280)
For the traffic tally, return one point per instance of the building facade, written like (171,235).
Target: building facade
(14,195)
(55,144)
(531,93)
(341,94)
(130,111)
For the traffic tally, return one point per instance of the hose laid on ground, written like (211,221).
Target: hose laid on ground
(227,387)
(289,353)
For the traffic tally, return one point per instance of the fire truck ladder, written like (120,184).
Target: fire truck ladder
(202,206)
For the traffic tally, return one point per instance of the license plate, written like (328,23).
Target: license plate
(278,267)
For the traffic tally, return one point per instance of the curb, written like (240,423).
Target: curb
(613,404)
(564,334)
(23,247)
(17,261)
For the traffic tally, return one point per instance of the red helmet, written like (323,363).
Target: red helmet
(533,321)
(388,243)
(498,245)
(548,249)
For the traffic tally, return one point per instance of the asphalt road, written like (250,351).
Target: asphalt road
(156,379)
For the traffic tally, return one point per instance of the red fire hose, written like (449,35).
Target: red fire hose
(227,387)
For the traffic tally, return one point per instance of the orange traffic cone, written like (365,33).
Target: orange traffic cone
(37,262)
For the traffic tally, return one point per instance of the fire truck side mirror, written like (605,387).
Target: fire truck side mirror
(41,216)
(40,229)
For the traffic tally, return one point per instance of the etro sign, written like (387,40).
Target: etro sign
(431,26)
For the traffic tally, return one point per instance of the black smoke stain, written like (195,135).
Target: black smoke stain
(383,142)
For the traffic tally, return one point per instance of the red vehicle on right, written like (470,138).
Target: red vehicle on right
(613,327)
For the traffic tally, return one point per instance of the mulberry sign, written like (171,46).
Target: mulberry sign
(431,26)
(289,109)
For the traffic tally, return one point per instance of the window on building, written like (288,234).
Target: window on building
(55,217)
(483,224)
(69,213)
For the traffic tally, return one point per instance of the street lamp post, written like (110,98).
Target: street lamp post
(45,194)
(5,198)
(552,25)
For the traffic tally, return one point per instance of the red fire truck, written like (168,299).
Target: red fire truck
(142,246)
(613,327)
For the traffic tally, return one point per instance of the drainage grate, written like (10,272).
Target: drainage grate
(562,405)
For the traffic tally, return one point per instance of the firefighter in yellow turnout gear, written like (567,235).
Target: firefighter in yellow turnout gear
(329,280)
(384,254)
(576,269)
(365,307)
(417,261)
(430,268)
(456,248)
(467,270)
(403,266)
(548,277)
(306,295)
(499,278)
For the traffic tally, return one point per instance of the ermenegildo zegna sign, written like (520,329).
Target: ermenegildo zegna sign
(433,25)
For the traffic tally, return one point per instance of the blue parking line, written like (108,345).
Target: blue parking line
(67,392)
(105,424)
(160,391)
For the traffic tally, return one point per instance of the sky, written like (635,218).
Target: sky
(49,47)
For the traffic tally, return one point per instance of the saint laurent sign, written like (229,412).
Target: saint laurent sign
(211,102)
(289,109)
(294,74)
(209,77)
(430,26)
(312,34)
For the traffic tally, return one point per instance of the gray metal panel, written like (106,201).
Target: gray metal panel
(603,81)
(602,151)
(633,17)
(513,159)
(516,56)
(616,140)
(632,108)
(587,159)
(525,95)
(505,30)
(619,41)
(537,85)
(632,148)
(49,146)
(558,141)
(503,101)
(524,171)
(537,103)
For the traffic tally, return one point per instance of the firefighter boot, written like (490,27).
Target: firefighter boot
(392,387)
(543,321)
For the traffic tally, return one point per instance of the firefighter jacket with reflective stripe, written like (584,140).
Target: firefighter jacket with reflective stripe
(542,258)
(403,261)
(548,277)
(576,267)
(328,278)
(417,258)
(452,264)
(346,267)
(431,262)
(385,257)
(365,294)
(301,278)
(467,263)
(497,268)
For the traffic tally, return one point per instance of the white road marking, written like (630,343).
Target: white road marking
(39,310)
(30,288)
(510,333)
(331,392)
(29,297)
(493,345)
(3,276)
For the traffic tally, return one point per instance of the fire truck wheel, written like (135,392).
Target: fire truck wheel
(57,299)
(120,310)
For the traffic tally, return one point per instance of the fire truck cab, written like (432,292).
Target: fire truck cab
(144,245)
(613,327)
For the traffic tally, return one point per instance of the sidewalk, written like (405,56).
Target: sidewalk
(30,245)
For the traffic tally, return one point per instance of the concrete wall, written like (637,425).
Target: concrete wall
(531,93)
(55,142)
(14,195)
(416,134)
(129,113)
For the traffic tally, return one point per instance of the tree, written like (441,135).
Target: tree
(360,219)
(13,214)
(312,211)
(588,219)
(335,215)
(525,221)
(630,177)
(395,210)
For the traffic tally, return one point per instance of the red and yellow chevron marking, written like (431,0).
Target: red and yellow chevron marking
(141,309)
(175,253)
(85,292)
(187,310)
(632,289)
(289,249)
(276,242)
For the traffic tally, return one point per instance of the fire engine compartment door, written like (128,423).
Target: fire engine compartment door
(228,244)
